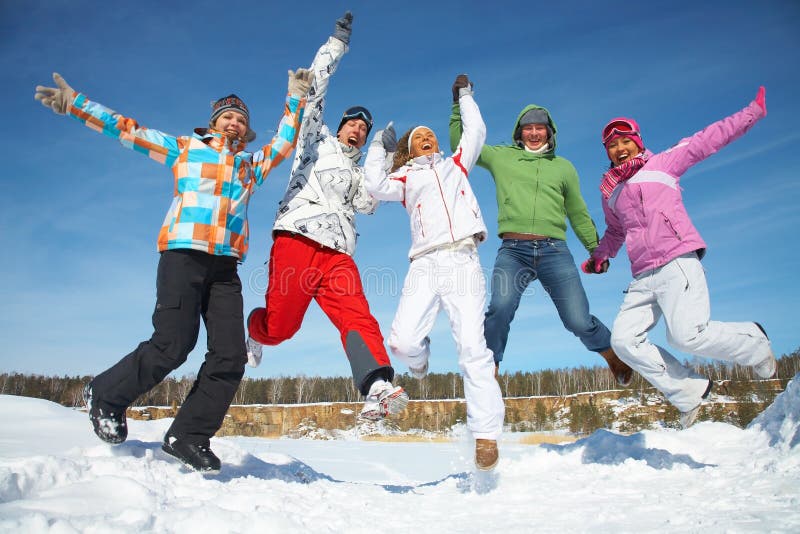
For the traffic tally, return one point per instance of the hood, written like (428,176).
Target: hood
(550,122)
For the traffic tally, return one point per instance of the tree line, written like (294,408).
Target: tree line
(302,389)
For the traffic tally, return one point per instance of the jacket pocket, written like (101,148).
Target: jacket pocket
(172,302)
(671,229)
(472,206)
(174,214)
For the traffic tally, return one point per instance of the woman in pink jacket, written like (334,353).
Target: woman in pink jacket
(643,207)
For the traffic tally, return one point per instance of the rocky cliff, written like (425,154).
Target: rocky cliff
(624,410)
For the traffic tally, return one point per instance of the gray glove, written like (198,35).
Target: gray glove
(389,138)
(300,82)
(462,82)
(344,27)
(55,98)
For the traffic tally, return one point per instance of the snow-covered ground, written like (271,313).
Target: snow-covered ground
(56,476)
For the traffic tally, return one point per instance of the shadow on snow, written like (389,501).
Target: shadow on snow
(604,447)
(299,472)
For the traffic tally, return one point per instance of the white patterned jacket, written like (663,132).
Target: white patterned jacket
(326,187)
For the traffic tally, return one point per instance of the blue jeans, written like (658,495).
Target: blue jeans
(520,262)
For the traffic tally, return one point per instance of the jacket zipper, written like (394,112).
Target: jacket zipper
(644,220)
(419,218)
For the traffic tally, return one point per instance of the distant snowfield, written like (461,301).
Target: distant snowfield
(56,476)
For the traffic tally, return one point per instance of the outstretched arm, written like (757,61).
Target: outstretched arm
(324,65)
(694,149)
(364,201)
(376,181)
(612,239)
(456,122)
(285,139)
(64,100)
(474,129)
(577,212)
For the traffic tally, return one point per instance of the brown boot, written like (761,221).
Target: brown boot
(622,373)
(486,454)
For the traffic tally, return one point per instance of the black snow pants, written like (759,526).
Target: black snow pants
(190,284)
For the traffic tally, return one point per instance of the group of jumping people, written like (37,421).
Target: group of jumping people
(205,236)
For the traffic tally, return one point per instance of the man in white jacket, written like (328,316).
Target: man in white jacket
(315,237)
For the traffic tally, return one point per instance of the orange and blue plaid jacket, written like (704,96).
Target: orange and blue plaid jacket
(214,178)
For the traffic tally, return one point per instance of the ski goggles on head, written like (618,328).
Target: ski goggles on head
(358,112)
(620,127)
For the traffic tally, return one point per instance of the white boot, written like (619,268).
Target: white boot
(383,399)
(253,352)
(768,366)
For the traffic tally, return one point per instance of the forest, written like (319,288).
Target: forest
(303,389)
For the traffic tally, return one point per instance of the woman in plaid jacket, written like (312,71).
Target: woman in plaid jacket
(202,240)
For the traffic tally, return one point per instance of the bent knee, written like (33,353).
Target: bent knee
(403,348)
(406,347)
(624,343)
(686,339)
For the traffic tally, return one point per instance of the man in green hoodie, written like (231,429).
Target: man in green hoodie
(536,192)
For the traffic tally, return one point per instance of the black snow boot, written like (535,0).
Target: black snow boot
(110,425)
(197,456)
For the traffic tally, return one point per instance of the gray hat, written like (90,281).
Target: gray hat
(534,116)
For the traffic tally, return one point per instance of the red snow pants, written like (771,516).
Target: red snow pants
(301,269)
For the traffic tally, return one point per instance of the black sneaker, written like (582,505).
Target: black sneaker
(197,456)
(110,426)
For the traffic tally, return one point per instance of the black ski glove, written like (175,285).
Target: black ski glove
(462,81)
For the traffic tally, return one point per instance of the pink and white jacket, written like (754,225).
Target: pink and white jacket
(434,190)
(646,212)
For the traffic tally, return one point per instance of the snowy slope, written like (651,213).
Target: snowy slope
(55,476)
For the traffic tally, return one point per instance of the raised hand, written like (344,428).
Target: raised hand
(761,98)
(462,81)
(300,82)
(344,27)
(56,98)
(389,138)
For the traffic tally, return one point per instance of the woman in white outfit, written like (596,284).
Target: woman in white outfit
(445,272)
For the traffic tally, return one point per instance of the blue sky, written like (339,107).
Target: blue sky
(80,214)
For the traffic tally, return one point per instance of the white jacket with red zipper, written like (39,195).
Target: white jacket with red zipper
(434,190)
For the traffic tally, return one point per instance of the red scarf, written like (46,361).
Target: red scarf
(620,173)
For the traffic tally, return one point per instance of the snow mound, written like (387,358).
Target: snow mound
(781,420)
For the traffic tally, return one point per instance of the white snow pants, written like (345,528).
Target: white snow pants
(453,280)
(678,291)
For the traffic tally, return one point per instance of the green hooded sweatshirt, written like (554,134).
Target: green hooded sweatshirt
(536,193)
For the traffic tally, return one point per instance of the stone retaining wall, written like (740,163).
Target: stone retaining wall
(272,421)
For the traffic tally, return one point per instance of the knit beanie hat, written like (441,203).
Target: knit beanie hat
(232,103)
(356,112)
(622,127)
(534,116)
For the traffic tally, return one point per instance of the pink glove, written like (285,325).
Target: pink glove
(594,266)
(761,99)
